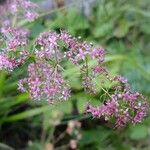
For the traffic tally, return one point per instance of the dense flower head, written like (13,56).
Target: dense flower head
(50,49)
(14,37)
(45,82)
(75,50)
(47,44)
(55,46)
(9,63)
(6,63)
(128,107)
(19,8)
(50,46)
(99,54)
(108,109)
(14,45)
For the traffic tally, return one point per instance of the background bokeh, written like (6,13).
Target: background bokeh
(122,27)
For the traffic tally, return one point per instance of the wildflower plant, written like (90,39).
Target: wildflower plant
(45,81)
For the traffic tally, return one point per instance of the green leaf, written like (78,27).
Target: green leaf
(28,113)
(103,30)
(2,80)
(82,100)
(97,135)
(145,28)
(36,29)
(36,111)
(122,29)
(7,103)
(138,132)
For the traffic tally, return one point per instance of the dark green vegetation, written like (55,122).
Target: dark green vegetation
(123,28)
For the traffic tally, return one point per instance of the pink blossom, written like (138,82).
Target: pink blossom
(98,53)
(124,112)
(130,96)
(98,69)
(13,8)
(15,37)
(21,85)
(140,112)
(20,9)
(6,63)
(122,120)
(31,16)
(121,79)
(44,82)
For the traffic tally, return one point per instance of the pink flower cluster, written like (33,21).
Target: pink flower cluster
(20,9)
(44,82)
(14,37)
(13,49)
(124,107)
(6,63)
(47,43)
(45,79)
(80,53)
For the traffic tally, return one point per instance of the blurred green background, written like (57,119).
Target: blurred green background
(122,27)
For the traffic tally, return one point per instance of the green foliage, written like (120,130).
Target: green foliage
(122,27)
(138,132)
(98,135)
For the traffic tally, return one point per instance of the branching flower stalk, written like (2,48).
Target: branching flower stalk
(44,80)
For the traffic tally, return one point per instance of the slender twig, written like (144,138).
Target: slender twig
(104,90)
(87,67)
(61,136)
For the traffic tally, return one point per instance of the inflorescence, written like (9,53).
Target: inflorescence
(45,81)
(20,9)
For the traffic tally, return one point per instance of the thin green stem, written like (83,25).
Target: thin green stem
(87,67)
(104,90)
